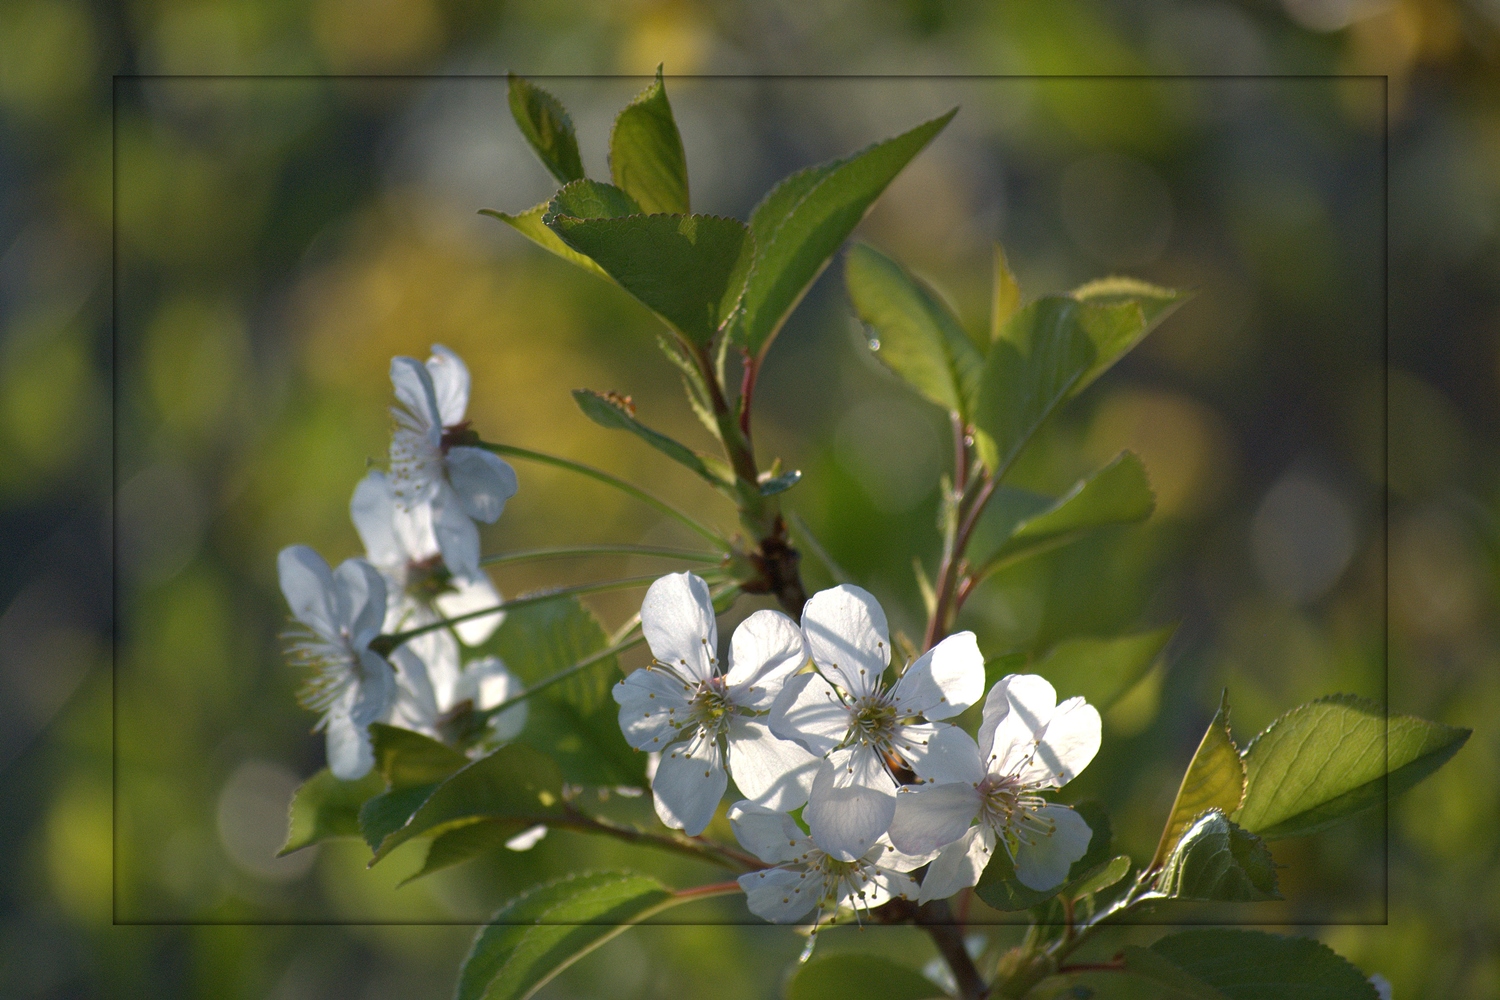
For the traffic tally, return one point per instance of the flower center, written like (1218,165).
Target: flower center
(873,719)
(710,705)
(1011,808)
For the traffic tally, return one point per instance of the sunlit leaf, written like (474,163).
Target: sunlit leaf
(1217,860)
(1215,779)
(529,224)
(546,125)
(645,152)
(1114,337)
(612,412)
(1254,965)
(325,807)
(1005,295)
(404,758)
(1102,670)
(586,199)
(858,974)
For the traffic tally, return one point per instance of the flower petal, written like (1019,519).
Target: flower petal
(677,618)
(765,650)
(415,533)
(782,895)
(769,834)
(472,593)
(880,885)
(1043,860)
(938,752)
(487,683)
(307,585)
(688,784)
(450,384)
(887,855)
(415,392)
(928,817)
(457,536)
(943,681)
(415,704)
(847,636)
(373,510)
(768,771)
(482,480)
(360,593)
(369,699)
(808,711)
(1016,713)
(1065,749)
(852,802)
(653,706)
(959,865)
(350,754)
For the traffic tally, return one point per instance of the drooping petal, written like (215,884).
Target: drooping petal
(959,865)
(307,585)
(929,817)
(847,635)
(768,771)
(415,392)
(350,754)
(1043,860)
(782,895)
(373,510)
(851,804)
(457,535)
(938,752)
(677,618)
(1016,713)
(764,651)
(943,681)
(769,834)
(808,711)
(360,591)
(482,480)
(689,782)
(472,593)
(653,705)
(450,384)
(1065,749)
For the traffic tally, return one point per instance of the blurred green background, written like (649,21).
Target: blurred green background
(275,241)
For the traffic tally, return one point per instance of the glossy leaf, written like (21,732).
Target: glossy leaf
(1254,965)
(325,807)
(405,758)
(1218,860)
(803,221)
(645,152)
(1102,670)
(530,225)
(1113,337)
(1328,759)
(858,974)
(608,410)
(999,887)
(546,125)
(1215,779)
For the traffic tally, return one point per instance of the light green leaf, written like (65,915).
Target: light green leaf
(546,125)
(645,152)
(538,934)
(1334,757)
(1218,860)
(999,887)
(1005,296)
(920,339)
(609,410)
(1116,333)
(325,807)
(586,199)
(1102,877)
(529,224)
(803,221)
(1102,670)
(858,974)
(404,758)
(688,269)
(1254,965)
(1215,779)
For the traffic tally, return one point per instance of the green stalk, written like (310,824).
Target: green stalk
(567,552)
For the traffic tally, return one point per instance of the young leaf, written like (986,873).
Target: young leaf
(870,977)
(1217,860)
(1102,670)
(1331,758)
(586,199)
(1116,331)
(607,410)
(803,221)
(1254,965)
(919,337)
(325,807)
(546,125)
(406,759)
(645,152)
(538,934)
(999,887)
(1215,779)
(1005,296)
(529,224)
(688,269)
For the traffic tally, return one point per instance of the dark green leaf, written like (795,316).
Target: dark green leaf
(1102,670)
(1328,759)
(1102,877)
(549,927)
(1218,860)
(465,842)
(803,221)
(919,337)
(608,410)
(385,814)
(587,199)
(1254,965)
(1114,337)
(858,974)
(645,152)
(1146,976)
(405,758)
(688,269)
(529,224)
(325,807)
(999,887)
(547,127)
(780,484)
(1215,779)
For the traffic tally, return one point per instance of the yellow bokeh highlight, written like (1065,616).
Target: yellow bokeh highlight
(375,35)
(78,843)
(1181,441)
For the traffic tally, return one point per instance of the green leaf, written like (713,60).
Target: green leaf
(404,758)
(325,807)
(515,783)
(1254,965)
(858,974)
(385,814)
(1005,297)
(1331,758)
(535,936)
(1146,976)
(999,887)
(1102,670)
(645,152)
(609,410)
(920,339)
(1218,860)
(546,125)
(586,199)
(802,222)
(529,224)
(688,269)
(464,843)
(1112,339)
(1214,779)
(1102,877)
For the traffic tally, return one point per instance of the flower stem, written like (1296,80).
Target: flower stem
(937,920)
(567,552)
(562,675)
(697,847)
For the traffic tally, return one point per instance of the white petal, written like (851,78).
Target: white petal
(472,593)
(373,511)
(943,681)
(360,593)
(450,384)
(414,390)
(959,865)
(350,755)
(768,771)
(851,804)
(880,885)
(527,838)
(782,895)
(677,618)
(770,835)
(847,635)
(765,650)
(808,711)
(689,783)
(415,705)
(929,817)
(1070,742)
(414,529)
(482,480)
(1016,712)
(1042,862)
(307,585)
(369,699)
(439,653)
(457,536)
(938,752)
(653,705)
(487,683)
(887,855)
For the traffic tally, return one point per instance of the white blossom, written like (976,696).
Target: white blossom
(702,719)
(862,729)
(351,685)
(1028,744)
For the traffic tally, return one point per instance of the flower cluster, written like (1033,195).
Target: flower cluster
(805,717)
(421,567)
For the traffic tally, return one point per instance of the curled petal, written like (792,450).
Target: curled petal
(688,784)
(350,754)
(808,711)
(1016,713)
(677,618)
(369,699)
(938,752)
(1043,859)
(874,886)
(764,651)
(483,481)
(929,817)
(768,771)
(360,595)
(943,681)
(414,391)
(852,801)
(770,835)
(450,384)
(847,636)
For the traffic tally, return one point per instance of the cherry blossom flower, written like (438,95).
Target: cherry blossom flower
(442,485)
(1028,744)
(703,719)
(862,729)
(341,611)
